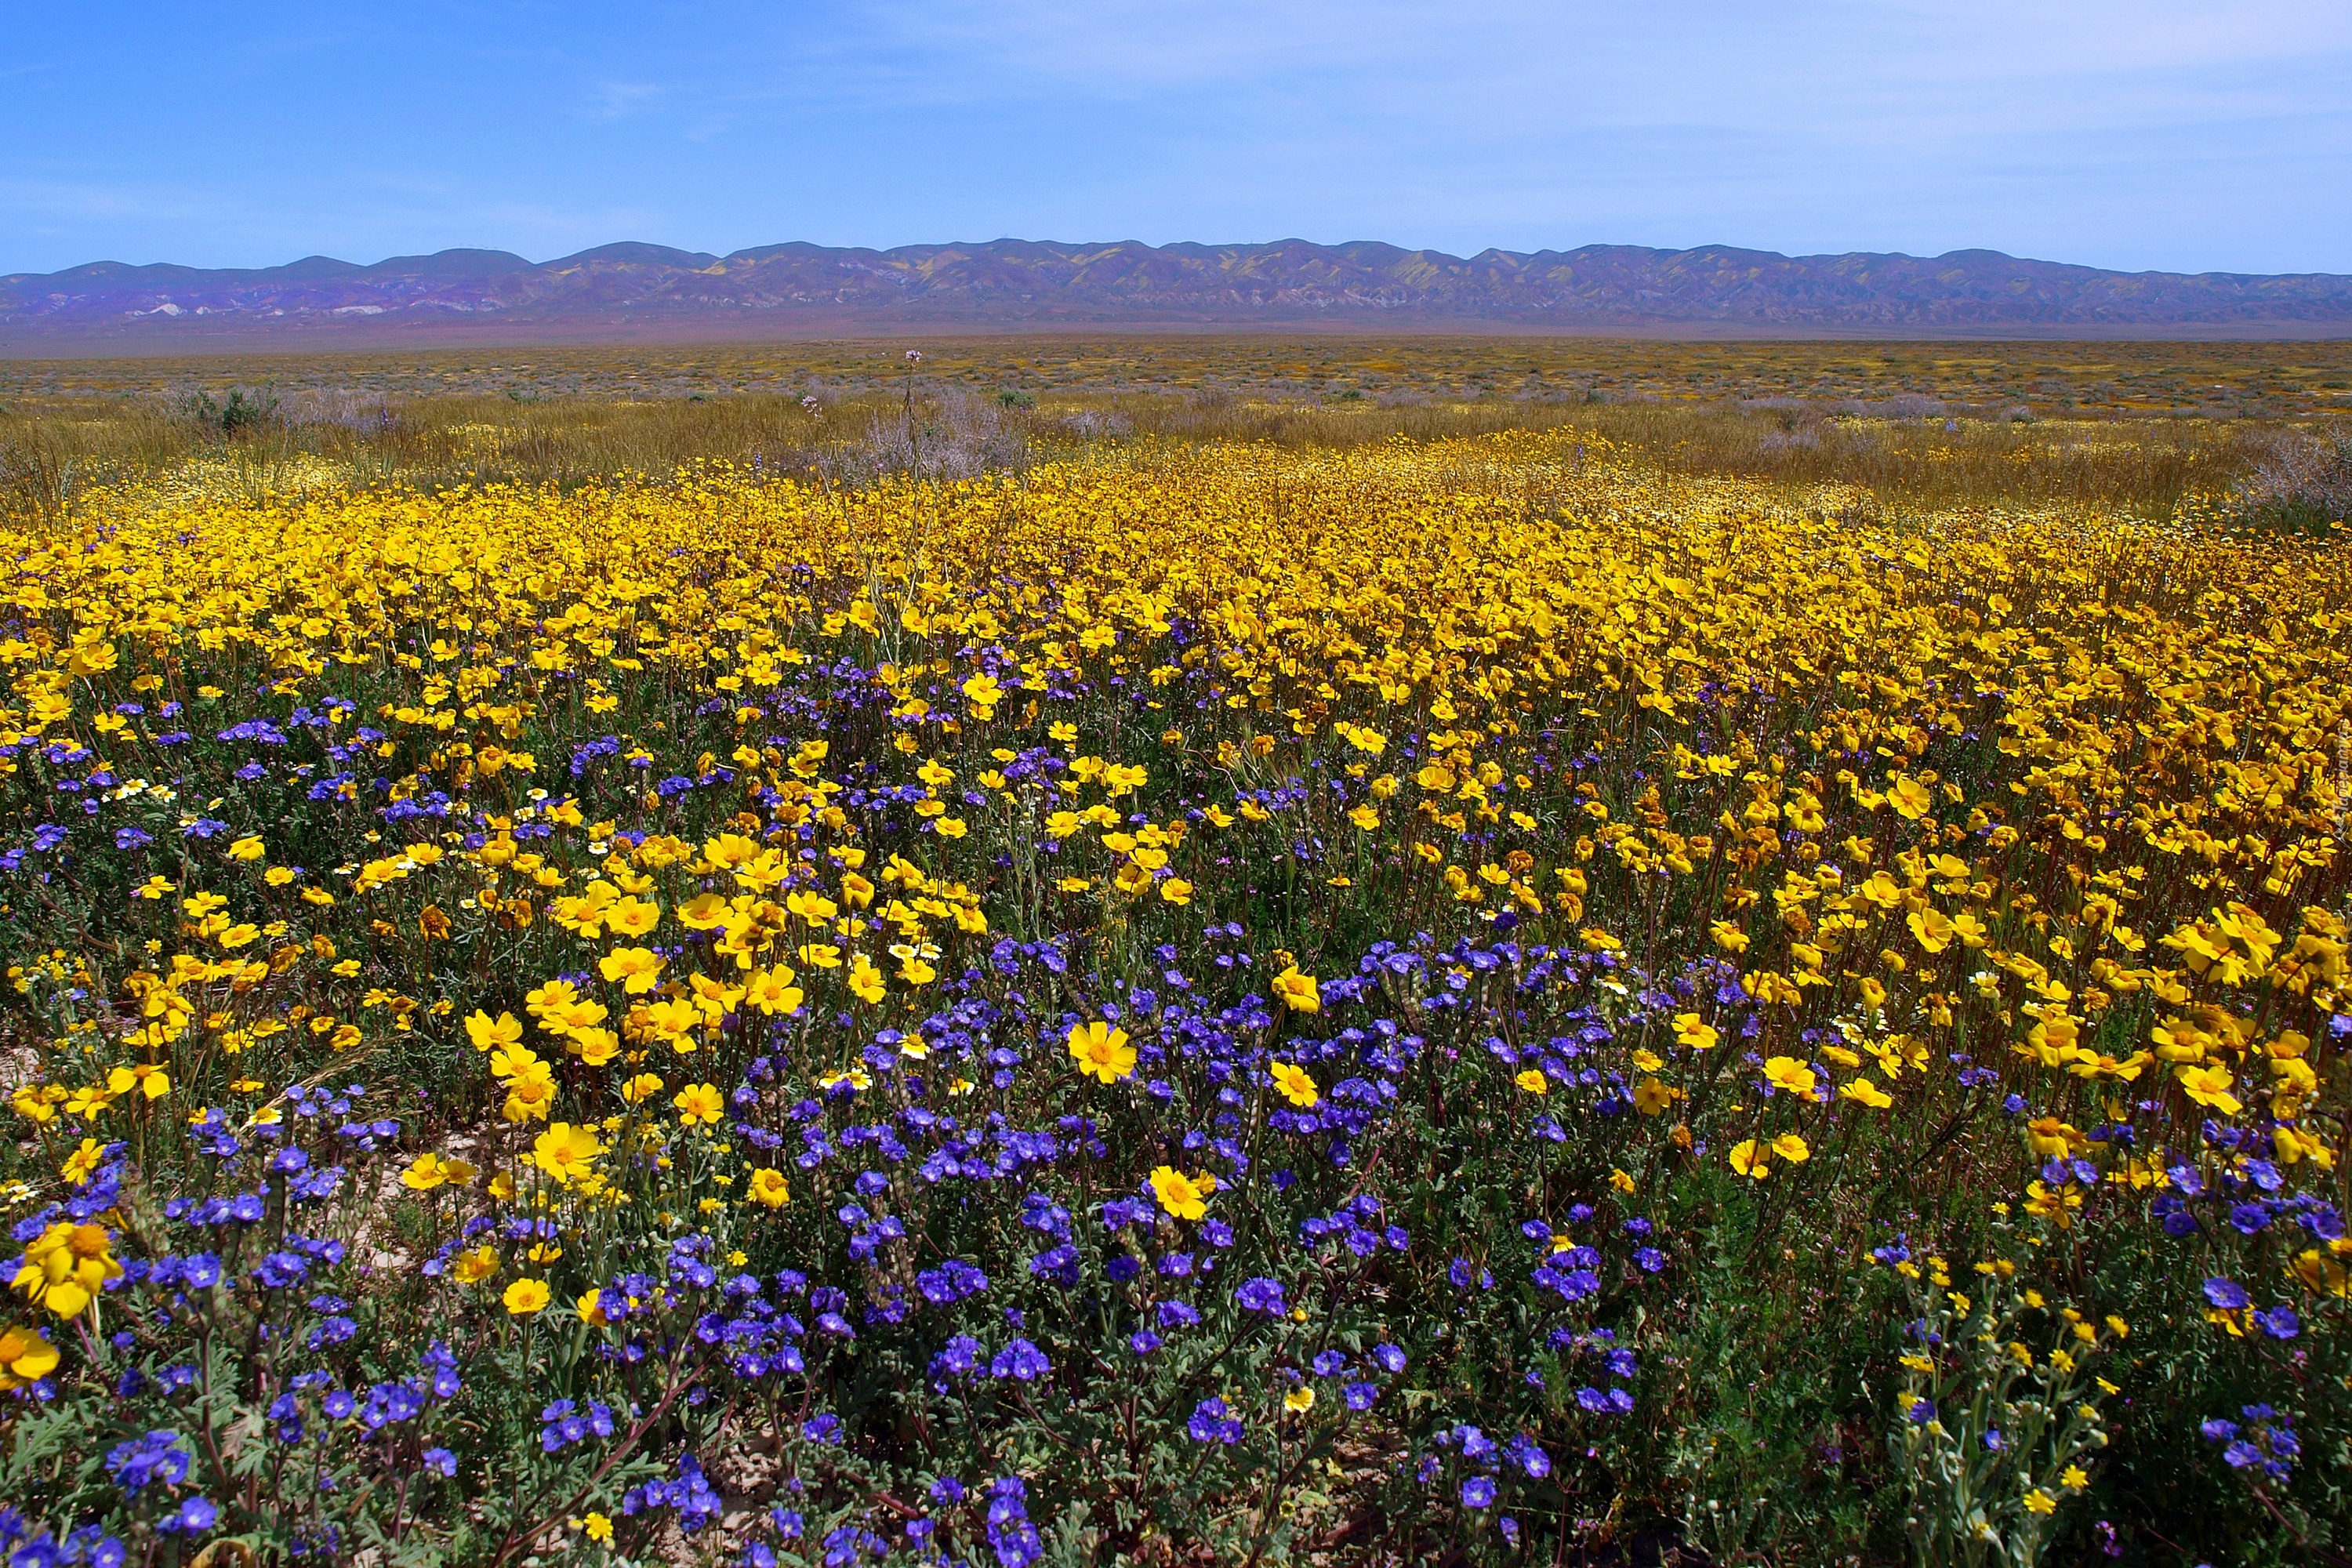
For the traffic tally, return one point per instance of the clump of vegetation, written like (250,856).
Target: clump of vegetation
(240,412)
(2303,480)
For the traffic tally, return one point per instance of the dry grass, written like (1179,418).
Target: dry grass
(1893,452)
(1906,448)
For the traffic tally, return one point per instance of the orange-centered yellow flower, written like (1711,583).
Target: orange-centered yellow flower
(1693,1031)
(565,1151)
(1186,1197)
(1297,992)
(66,1265)
(489,1034)
(1101,1051)
(1791,1076)
(24,1357)
(2208,1086)
(427,1172)
(526,1297)
(770,1188)
(699,1104)
(633,969)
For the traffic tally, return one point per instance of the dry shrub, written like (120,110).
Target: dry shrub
(2304,479)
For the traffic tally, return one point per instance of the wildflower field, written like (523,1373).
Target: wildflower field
(1451,1001)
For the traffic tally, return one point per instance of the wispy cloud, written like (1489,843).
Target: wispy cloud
(618,99)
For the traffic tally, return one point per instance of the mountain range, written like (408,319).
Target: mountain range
(630,288)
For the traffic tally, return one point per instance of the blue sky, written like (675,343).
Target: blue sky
(2150,135)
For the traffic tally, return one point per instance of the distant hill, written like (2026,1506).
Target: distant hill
(631,290)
